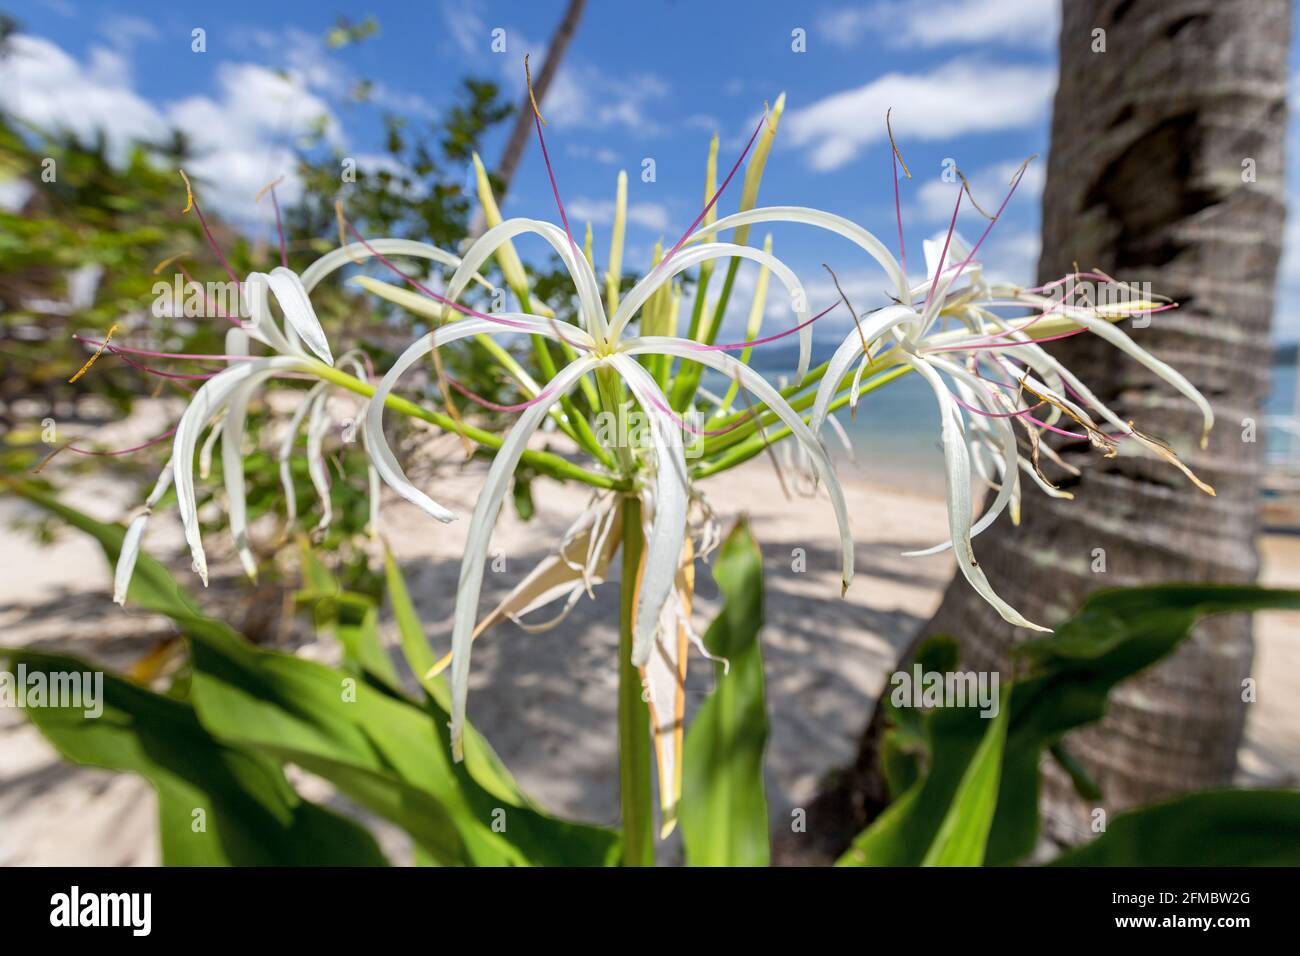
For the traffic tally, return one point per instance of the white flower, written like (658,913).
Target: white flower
(980,371)
(600,342)
(298,346)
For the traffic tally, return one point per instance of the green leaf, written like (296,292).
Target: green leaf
(217,806)
(1114,635)
(482,762)
(724,804)
(383,752)
(905,832)
(352,619)
(152,587)
(1215,828)
(964,832)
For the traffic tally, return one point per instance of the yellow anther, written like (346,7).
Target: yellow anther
(189,192)
(94,358)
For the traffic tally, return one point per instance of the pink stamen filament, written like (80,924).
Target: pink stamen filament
(187,356)
(207,303)
(123,451)
(732,346)
(716,195)
(984,346)
(943,256)
(694,429)
(1022,413)
(546,158)
(987,229)
(221,256)
(177,376)
(425,290)
(487,403)
(898,213)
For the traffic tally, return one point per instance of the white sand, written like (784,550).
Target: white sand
(547,701)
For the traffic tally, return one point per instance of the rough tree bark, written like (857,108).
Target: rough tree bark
(1145,180)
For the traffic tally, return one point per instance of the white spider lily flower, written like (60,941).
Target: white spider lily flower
(222,401)
(953,361)
(600,343)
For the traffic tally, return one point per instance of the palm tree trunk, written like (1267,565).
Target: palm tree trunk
(518,140)
(1146,182)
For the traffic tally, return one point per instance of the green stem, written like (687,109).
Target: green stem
(635,786)
(579,428)
(755,444)
(545,462)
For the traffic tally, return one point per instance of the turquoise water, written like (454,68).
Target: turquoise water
(895,434)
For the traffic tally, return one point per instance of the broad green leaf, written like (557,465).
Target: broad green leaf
(964,832)
(482,762)
(724,804)
(1114,635)
(385,753)
(217,806)
(905,832)
(1214,828)
(351,619)
(152,587)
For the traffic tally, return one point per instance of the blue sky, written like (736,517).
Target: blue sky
(970,80)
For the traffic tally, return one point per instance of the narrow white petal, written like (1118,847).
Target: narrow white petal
(377,445)
(209,399)
(133,539)
(592,313)
(825,220)
(647,286)
(873,326)
(232,471)
(127,557)
(770,397)
(260,324)
(957,467)
(298,312)
(1118,338)
(486,510)
(209,443)
(1010,452)
(354,252)
(286,450)
(318,424)
(671,499)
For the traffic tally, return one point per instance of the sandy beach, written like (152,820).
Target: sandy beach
(547,701)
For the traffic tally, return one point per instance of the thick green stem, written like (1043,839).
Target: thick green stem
(635,786)
(545,462)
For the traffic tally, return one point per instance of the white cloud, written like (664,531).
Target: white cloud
(958,98)
(600,212)
(936,198)
(42,85)
(466,28)
(932,23)
(601,154)
(124,31)
(584,96)
(243,137)
(14,194)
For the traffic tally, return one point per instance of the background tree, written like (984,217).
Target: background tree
(523,128)
(1166,166)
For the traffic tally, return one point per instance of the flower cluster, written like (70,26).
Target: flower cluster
(987,369)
